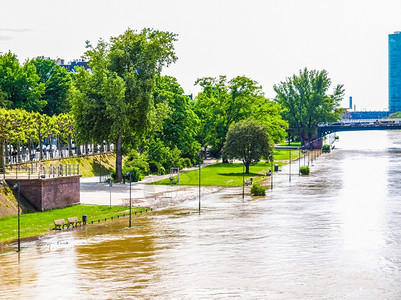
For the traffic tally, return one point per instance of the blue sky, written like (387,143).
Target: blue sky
(264,40)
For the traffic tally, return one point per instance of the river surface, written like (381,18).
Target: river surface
(335,234)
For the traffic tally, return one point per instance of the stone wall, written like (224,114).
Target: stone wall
(50,193)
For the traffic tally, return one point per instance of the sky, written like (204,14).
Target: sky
(265,40)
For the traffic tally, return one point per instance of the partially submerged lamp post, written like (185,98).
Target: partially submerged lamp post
(200,186)
(17,187)
(243,179)
(130,179)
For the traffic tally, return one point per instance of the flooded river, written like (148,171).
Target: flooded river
(333,235)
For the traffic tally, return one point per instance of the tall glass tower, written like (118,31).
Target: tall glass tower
(394,71)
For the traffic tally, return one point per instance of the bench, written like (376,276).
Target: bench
(59,223)
(74,221)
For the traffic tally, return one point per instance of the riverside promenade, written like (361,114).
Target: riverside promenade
(143,194)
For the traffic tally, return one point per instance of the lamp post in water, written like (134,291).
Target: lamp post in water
(130,179)
(17,187)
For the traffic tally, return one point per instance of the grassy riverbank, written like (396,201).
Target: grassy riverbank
(231,174)
(34,224)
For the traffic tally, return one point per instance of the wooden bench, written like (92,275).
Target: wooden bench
(59,223)
(73,221)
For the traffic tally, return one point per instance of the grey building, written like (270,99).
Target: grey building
(394,71)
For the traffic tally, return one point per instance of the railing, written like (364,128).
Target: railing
(36,170)
(26,156)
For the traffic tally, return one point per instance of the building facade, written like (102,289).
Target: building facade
(394,72)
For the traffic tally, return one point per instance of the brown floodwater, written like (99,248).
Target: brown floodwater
(335,234)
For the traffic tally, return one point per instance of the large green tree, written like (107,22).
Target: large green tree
(57,83)
(306,101)
(116,102)
(20,86)
(180,128)
(222,103)
(249,141)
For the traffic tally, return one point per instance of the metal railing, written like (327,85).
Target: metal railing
(35,170)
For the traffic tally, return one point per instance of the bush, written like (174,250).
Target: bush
(258,190)
(185,163)
(326,148)
(136,174)
(134,159)
(304,170)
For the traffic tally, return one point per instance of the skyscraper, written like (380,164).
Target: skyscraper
(394,71)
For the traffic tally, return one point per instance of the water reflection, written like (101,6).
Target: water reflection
(334,234)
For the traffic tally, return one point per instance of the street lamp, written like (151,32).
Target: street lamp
(17,187)
(130,179)
(199,186)
(110,185)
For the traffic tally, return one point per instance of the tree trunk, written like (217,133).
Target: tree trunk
(119,159)
(247,164)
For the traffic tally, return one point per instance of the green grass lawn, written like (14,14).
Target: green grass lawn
(231,174)
(33,224)
(294,144)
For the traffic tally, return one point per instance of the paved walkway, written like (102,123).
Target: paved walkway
(142,193)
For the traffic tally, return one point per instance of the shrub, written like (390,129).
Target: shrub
(136,174)
(134,159)
(185,163)
(258,190)
(304,170)
(326,148)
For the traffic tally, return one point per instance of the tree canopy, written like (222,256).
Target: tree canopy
(249,141)
(222,103)
(116,102)
(20,86)
(57,83)
(306,101)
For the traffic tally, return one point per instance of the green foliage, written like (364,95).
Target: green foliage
(57,83)
(248,140)
(395,115)
(181,126)
(134,159)
(258,190)
(305,170)
(116,102)
(326,148)
(136,174)
(20,86)
(306,102)
(221,104)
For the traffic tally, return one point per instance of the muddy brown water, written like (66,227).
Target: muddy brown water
(335,234)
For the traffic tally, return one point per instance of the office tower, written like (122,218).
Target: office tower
(394,71)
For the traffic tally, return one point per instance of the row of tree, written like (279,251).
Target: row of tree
(125,100)
(19,128)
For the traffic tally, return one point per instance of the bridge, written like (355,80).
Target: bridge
(358,125)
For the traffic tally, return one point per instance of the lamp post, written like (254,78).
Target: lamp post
(130,179)
(289,163)
(110,184)
(243,179)
(17,187)
(199,186)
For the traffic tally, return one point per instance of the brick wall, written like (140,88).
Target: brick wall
(50,193)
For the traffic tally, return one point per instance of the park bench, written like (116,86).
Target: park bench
(74,221)
(59,223)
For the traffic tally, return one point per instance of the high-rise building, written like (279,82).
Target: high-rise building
(394,71)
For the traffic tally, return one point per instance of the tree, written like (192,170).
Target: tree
(223,103)
(57,83)
(180,128)
(306,102)
(116,102)
(249,141)
(19,85)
